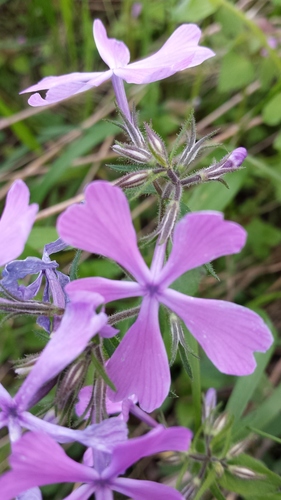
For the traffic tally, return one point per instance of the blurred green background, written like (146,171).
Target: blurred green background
(58,150)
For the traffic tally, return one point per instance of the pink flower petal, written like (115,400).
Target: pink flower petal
(156,441)
(79,324)
(112,51)
(109,289)
(67,88)
(180,52)
(38,460)
(103,225)
(16,222)
(139,365)
(228,333)
(200,237)
(139,489)
(82,492)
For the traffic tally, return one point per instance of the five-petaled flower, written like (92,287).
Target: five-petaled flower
(181,51)
(37,460)
(228,333)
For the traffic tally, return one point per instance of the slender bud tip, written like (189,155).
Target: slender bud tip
(238,156)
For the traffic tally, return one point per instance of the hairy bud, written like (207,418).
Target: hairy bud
(244,472)
(133,153)
(156,146)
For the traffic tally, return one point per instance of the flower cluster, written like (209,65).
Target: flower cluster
(135,376)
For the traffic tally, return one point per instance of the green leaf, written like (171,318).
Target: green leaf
(100,369)
(214,489)
(265,434)
(263,169)
(208,481)
(194,11)
(90,138)
(110,345)
(185,362)
(188,282)
(236,72)
(40,236)
(262,237)
(245,386)
(272,111)
(122,167)
(73,273)
(214,196)
(255,488)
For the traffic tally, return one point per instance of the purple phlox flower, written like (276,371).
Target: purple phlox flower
(79,324)
(123,408)
(181,51)
(55,281)
(16,222)
(37,460)
(228,333)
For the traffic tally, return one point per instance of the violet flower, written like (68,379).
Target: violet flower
(16,222)
(37,460)
(228,333)
(79,324)
(55,281)
(181,51)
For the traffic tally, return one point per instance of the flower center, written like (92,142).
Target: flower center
(152,289)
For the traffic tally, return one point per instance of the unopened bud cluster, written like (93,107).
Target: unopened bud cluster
(169,173)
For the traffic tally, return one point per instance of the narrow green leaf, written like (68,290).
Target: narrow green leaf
(245,386)
(265,434)
(99,368)
(214,489)
(185,362)
(205,486)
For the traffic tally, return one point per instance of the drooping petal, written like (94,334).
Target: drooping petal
(155,441)
(103,436)
(5,399)
(114,53)
(16,222)
(180,52)
(200,237)
(138,490)
(103,225)
(32,494)
(228,333)
(109,289)
(140,365)
(79,324)
(81,493)
(37,460)
(64,86)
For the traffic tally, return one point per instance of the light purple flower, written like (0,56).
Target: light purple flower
(181,51)
(37,460)
(16,222)
(228,333)
(79,324)
(55,281)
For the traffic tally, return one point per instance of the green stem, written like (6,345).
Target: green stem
(196,381)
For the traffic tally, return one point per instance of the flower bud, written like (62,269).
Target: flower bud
(243,472)
(228,164)
(219,469)
(156,146)
(132,152)
(135,179)
(210,401)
